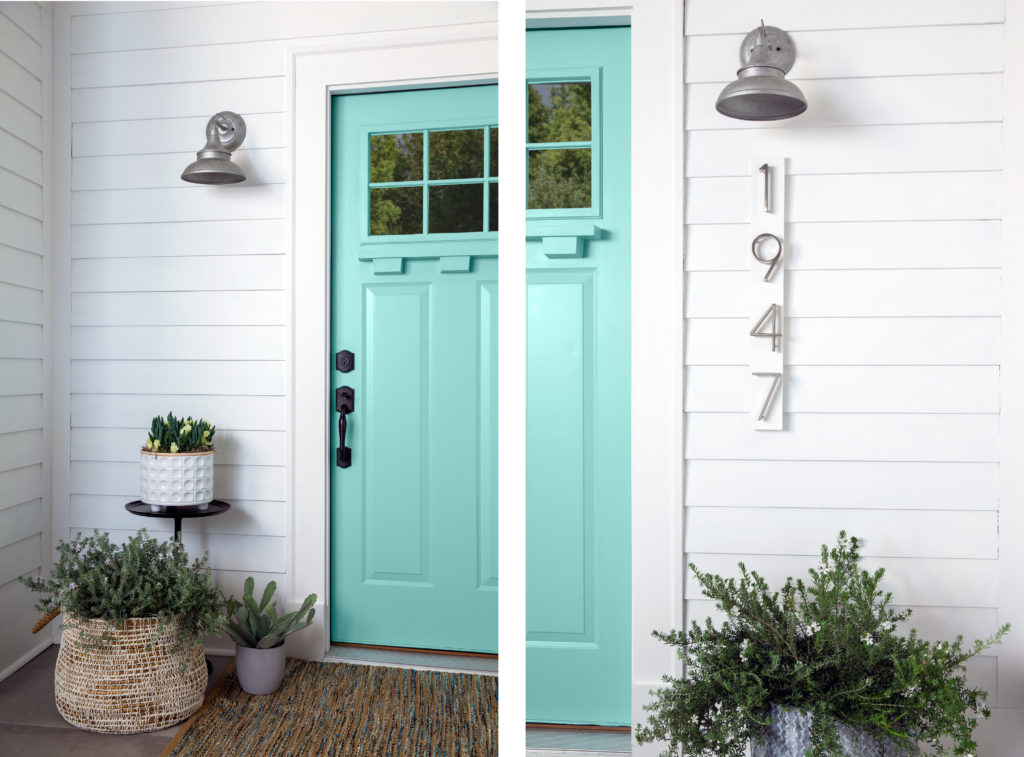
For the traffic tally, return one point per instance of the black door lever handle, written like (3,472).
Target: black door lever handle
(344,403)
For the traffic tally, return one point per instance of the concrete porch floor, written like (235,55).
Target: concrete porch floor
(30,725)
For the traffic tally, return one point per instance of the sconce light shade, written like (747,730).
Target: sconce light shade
(761,92)
(224,133)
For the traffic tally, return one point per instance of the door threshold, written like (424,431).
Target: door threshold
(414,659)
(552,741)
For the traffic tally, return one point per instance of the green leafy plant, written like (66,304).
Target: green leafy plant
(94,578)
(829,648)
(174,435)
(258,625)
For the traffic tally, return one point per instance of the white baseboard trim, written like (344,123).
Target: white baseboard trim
(32,653)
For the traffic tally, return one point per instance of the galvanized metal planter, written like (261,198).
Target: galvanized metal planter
(789,735)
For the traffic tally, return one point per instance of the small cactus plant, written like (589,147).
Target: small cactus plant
(259,626)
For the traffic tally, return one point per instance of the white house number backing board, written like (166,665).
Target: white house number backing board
(766,296)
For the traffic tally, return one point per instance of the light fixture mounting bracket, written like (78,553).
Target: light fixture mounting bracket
(777,46)
(229,129)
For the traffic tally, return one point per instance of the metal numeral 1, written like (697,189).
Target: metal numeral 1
(776,333)
(772,392)
(767,171)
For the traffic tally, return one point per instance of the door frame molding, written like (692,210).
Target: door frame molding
(374,62)
(657,325)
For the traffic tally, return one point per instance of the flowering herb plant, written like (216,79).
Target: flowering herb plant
(95,578)
(830,648)
(174,435)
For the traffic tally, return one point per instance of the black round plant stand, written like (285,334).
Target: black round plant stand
(138,507)
(216,507)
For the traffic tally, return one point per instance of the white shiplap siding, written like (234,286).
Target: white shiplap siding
(894,204)
(179,294)
(25,30)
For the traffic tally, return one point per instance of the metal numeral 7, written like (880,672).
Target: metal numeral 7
(772,393)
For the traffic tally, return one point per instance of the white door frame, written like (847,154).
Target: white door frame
(656,296)
(367,62)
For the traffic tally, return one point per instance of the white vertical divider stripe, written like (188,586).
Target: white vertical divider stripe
(512,381)
(1011,427)
(656,339)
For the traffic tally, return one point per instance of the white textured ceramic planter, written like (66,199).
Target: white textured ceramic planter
(176,480)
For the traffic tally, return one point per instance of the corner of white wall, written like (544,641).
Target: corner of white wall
(60,235)
(1011,374)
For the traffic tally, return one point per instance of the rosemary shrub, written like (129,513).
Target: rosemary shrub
(174,435)
(95,578)
(830,648)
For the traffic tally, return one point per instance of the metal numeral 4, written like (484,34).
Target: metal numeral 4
(771,317)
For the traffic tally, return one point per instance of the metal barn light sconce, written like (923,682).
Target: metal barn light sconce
(224,133)
(761,92)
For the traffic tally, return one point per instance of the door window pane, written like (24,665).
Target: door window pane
(457,154)
(492,213)
(396,157)
(559,179)
(456,208)
(396,210)
(559,112)
(494,152)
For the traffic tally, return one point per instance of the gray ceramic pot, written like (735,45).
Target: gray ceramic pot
(260,671)
(789,735)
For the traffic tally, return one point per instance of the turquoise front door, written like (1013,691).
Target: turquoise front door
(578,363)
(414,359)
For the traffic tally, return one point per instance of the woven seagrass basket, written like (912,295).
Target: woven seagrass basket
(133,683)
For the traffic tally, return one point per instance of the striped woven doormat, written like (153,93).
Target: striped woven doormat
(336,709)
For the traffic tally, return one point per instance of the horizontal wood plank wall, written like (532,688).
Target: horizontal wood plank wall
(180,293)
(893,295)
(24,258)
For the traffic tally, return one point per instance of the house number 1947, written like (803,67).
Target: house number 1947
(766,292)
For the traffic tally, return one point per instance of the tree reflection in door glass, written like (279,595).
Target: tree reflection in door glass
(559,179)
(396,157)
(494,152)
(456,208)
(457,154)
(396,210)
(559,112)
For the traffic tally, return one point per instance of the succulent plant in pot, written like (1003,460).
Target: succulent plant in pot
(176,463)
(259,633)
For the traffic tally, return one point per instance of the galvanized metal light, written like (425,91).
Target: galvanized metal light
(761,92)
(224,133)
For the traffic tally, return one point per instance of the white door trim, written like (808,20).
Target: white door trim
(367,62)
